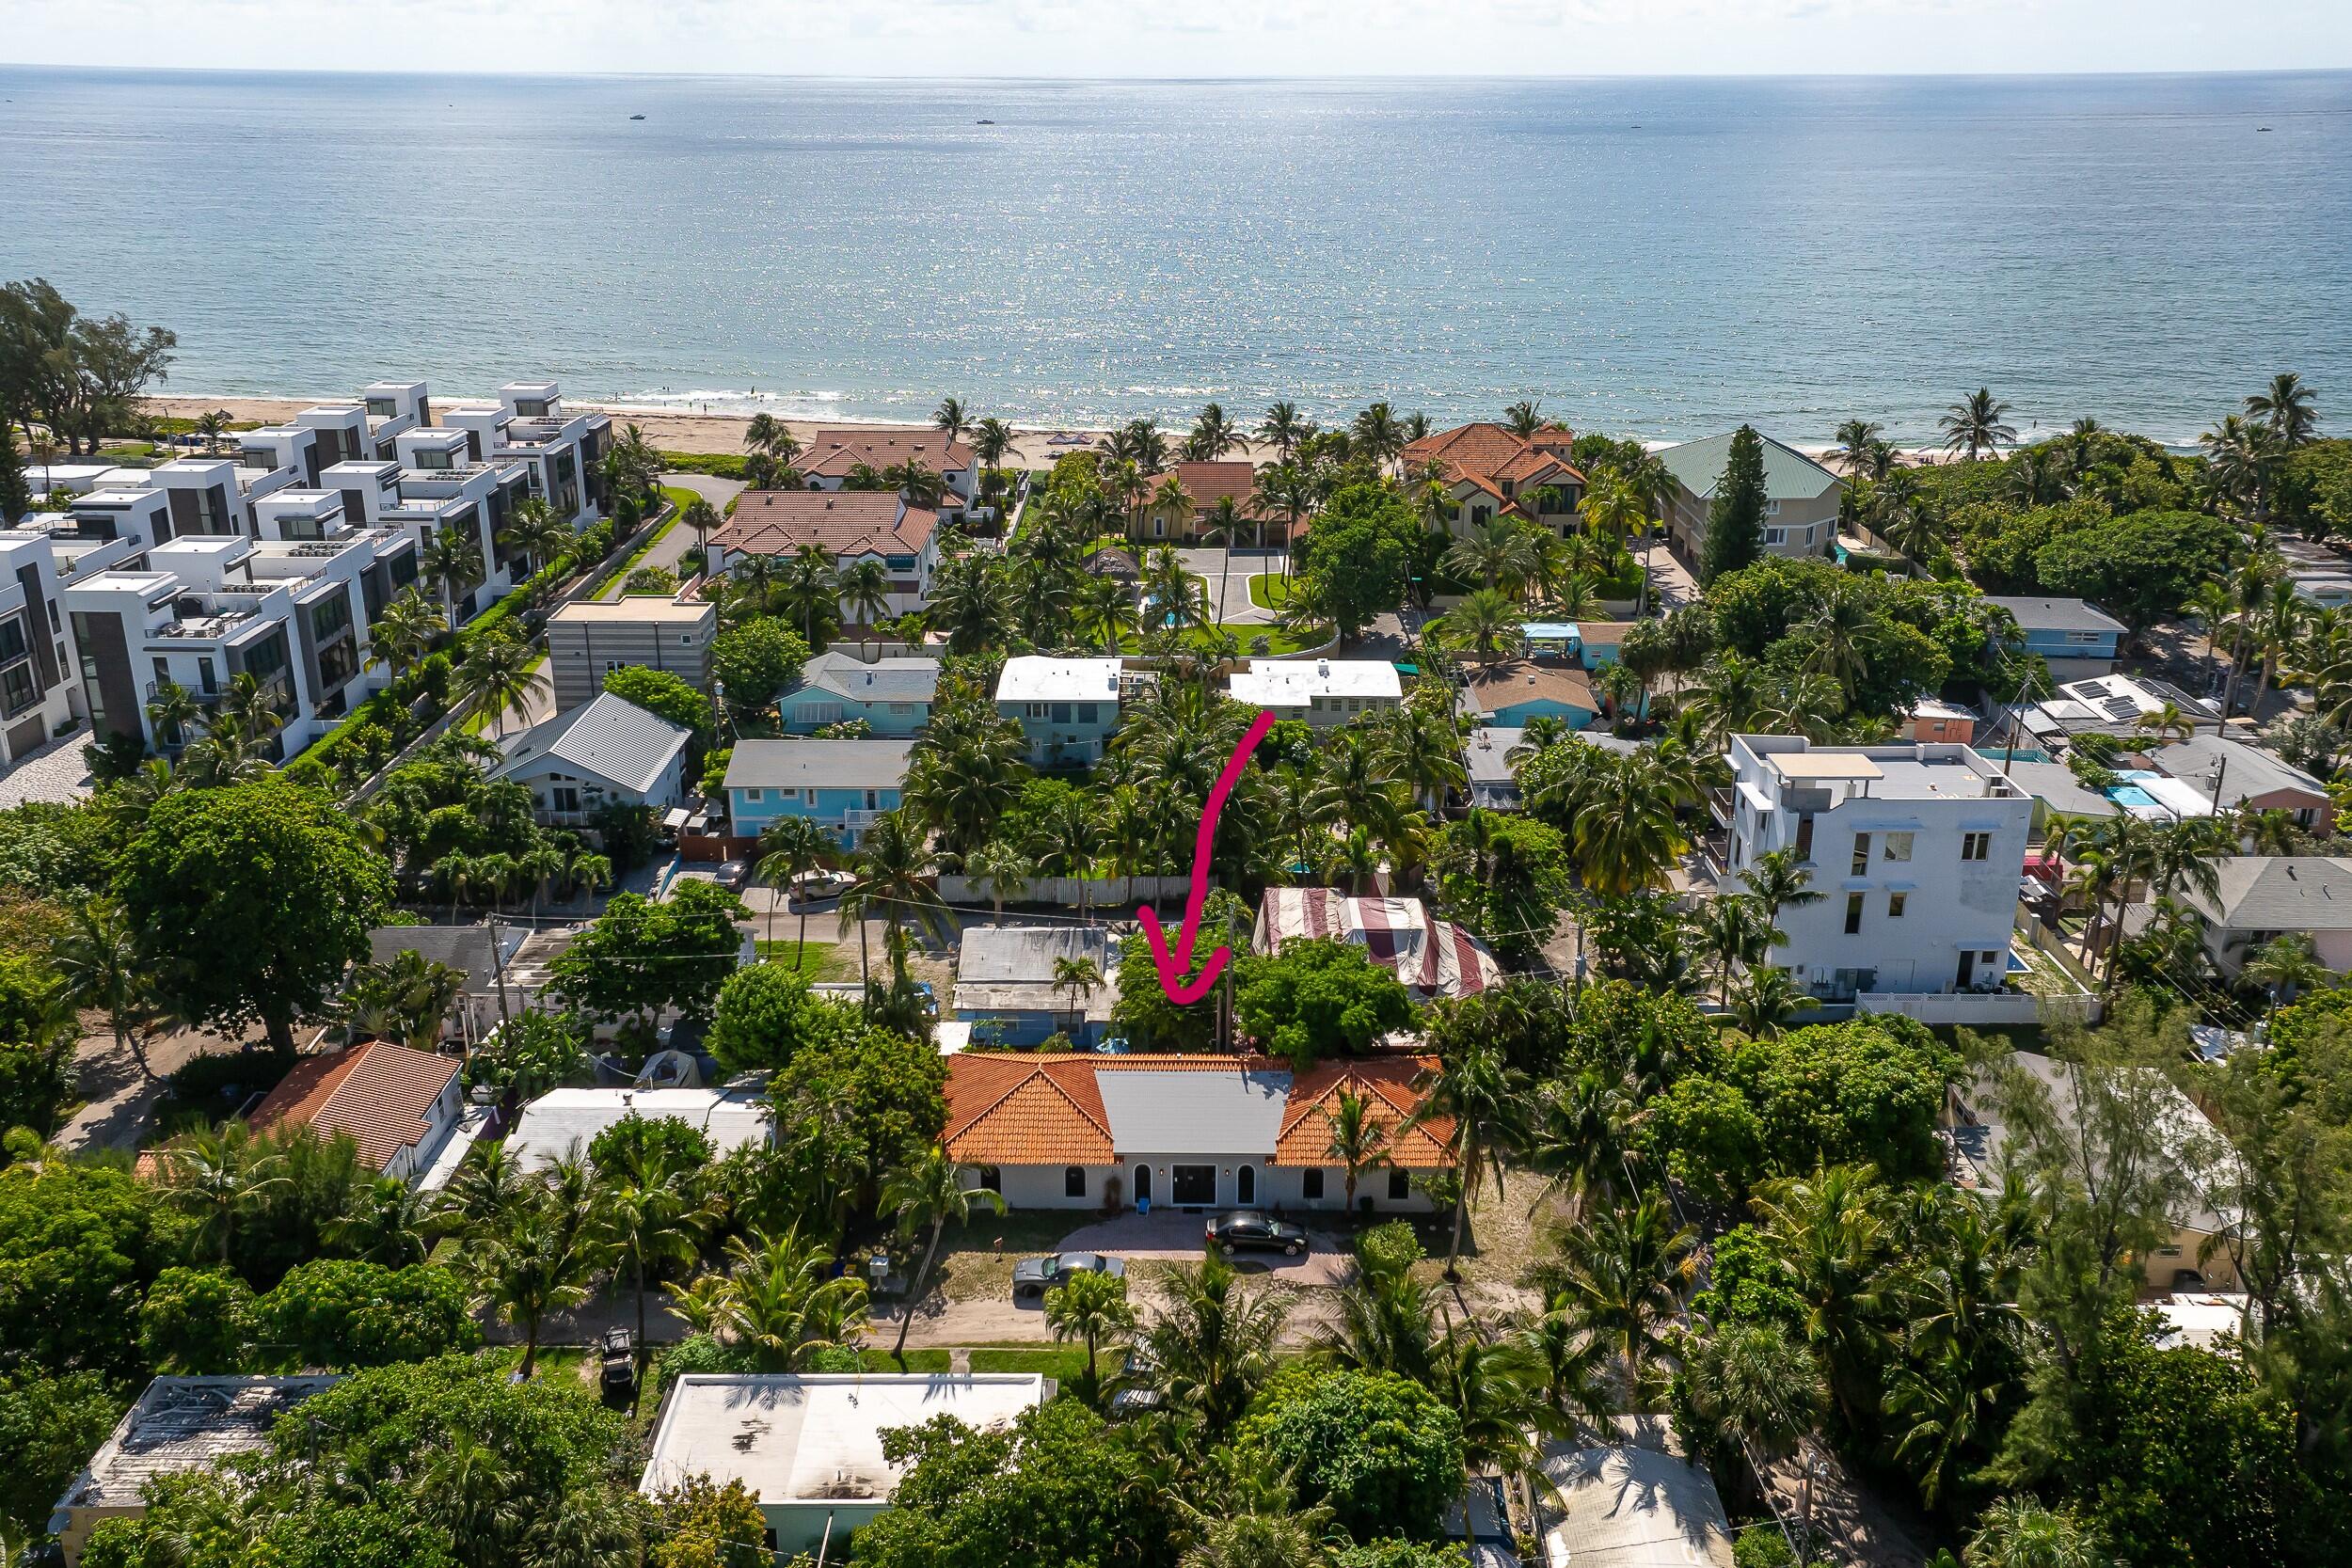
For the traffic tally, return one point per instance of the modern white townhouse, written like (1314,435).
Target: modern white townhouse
(39,694)
(432,486)
(114,526)
(291,610)
(561,453)
(1916,850)
(392,406)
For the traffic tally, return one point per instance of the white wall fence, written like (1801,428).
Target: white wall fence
(1108,894)
(1983,1009)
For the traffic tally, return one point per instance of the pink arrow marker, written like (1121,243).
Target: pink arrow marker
(1172,965)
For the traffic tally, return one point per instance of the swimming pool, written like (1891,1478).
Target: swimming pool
(2131,797)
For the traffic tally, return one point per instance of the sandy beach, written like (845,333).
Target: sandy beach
(668,429)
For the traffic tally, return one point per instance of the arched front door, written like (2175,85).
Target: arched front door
(1245,1186)
(1143,1184)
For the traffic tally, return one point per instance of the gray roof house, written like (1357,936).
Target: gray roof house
(466,949)
(604,752)
(2261,897)
(179,1424)
(2230,773)
(1005,982)
(1800,496)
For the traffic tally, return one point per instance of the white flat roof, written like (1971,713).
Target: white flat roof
(551,1124)
(1035,678)
(1289,683)
(816,1437)
(1823,765)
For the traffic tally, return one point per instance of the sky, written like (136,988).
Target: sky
(1164,39)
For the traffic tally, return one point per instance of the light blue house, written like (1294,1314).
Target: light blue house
(1508,694)
(2077,638)
(892,696)
(841,786)
(1066,707)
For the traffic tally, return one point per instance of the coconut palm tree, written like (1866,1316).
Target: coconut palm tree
(97,957)
(500,674)
(1498,554)
(246,712)
(1525,418)
(1091,1307)
(451,562)
(1485,1099)
(1764,1000)
(1213,1341)
(216,1177)
(1007,871)
(1856,441)
(927,1192)
(656,1209)
(1831,1243)
(1733,931)
(408,998)
(891,869)
(2286,966)
(1618,1275)
(1080,977)
(781,1296)
(1378,435)
(171,712)
(866,589)
(2285,407)
(212,426)
(1757,1389)
(1976,424)
(789,849)
(2025,1533)
(1284,429)
(1487,624)
(812,590)
(533,531)
(1213,435)
(1358,1142)
(406,631)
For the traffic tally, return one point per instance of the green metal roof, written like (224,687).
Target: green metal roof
(1789,475)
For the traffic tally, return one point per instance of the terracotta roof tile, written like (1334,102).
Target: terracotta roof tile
(841,522)
(1487,455)
(1515,681)
(1389,1083)
(834,453)
(379,1095)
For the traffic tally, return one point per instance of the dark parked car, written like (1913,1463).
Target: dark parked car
(733,876)
(617,1362)
(1033,1276)
(1243,1231)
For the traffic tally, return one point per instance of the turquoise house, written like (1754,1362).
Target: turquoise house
(841,786)
(1067,709)
(1512,692)
(2075,637)
(894,696)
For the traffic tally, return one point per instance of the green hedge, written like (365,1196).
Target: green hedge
(718,465)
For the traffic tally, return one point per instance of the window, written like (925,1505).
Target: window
(1775,536)
(752,794)
(1073,1181)
(1898,845)
(1853,913)
(1061,713)
(2085,637)
(1860,854)
(991,1181)
(1035,710)
(1975,847)
(431,460)
(18,689)
(1400,1186)
(1311,1184)
(382,409)
(1088,713)
(1894,902)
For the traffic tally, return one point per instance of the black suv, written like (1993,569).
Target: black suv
(1244,1232)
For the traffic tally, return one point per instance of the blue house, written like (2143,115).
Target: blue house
(1005,986)
(841,786)
(892,696)
(1066,707)
(2077,638)
(1508,694)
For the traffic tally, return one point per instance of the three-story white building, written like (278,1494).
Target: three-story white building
(1915,849)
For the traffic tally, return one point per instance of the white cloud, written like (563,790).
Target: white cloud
(1185,38)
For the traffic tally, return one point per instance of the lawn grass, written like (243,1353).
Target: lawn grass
(1065,1363)
(1269,591)
(819,960)
(1279,639)
(675,500)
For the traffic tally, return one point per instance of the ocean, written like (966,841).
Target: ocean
(1661,257)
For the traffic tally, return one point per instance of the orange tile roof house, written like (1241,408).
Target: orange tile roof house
(850,526)
(1207,484)
(1095,1131)
(826,462)
(397,1104)
(1493,473)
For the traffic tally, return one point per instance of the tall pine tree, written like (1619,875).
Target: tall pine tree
(1735,520)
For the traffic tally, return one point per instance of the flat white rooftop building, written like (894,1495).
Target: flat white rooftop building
(1320,690)
(808,1446)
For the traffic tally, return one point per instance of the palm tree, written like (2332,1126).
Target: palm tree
(470,1490)
(1756,1387)
(930,1190)
(1977,425)
(215,1177)
(1525,418)
(811,589)
(500,674)
(533,531)
(1485,623)
(1221,527)
(1213,1341)
(655,1213)
(171,711)
(404,632)
(1358,1142)
(450,561)
(789,849)
(2286,966)
(1856,440)
(1617,1275)
(247,711)
(892,868)
(1783,880)
(2023,1532)
(1284,429)
(866,589)
(542,1265)
(1213,435)
(2285,407)
(406,998)
(1006,869)
(1080,977)
(1764,1000)
(1485,1100)
(212,426)
(1733,931)
(1830,1240)
(97,957)
(781,1297)
(1499,553)
(951,418)
(763,432)
(1378,435)
(1091,1308)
